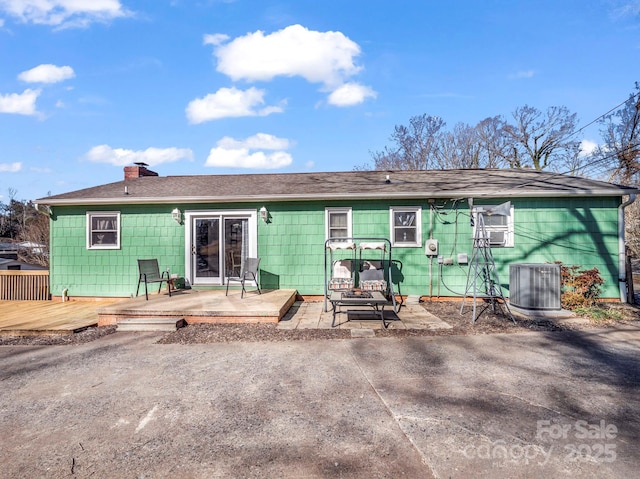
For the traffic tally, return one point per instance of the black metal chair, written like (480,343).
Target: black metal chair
(248,272)
(149,272)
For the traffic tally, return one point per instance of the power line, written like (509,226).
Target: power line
(610,156)
(601,160)
(604,159)
(604,114)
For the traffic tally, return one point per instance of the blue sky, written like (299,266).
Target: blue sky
(250,86)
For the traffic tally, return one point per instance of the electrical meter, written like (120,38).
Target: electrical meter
(431,247)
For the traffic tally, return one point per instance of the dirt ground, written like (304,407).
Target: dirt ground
(488,322)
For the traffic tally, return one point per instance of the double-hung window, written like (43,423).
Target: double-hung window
(338,223)
(103,230)
(499,228)
(406,226)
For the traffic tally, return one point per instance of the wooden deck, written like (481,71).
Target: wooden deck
(198,306)
(25,318)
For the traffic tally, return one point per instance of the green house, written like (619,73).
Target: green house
(200,227)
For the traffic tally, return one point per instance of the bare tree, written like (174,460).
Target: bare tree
(459,148)
(620,151)
(493,142)
(619,157)
(632,228)
(34,238)
(23,224)
(573,163)
(414,147)
(535,140)
(542,140)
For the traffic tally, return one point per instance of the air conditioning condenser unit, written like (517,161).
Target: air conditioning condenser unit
(535,286)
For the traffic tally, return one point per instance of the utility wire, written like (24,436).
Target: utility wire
(596,162)
(604,114)
(599,161)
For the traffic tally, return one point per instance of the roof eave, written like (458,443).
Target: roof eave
(334,196)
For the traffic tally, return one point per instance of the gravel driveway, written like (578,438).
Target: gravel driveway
(537,404)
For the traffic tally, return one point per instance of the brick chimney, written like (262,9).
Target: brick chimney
(138,171)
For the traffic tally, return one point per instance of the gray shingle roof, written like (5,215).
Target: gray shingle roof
(353,185)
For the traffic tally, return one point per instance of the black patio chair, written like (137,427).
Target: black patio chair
(149,272)
(248,272)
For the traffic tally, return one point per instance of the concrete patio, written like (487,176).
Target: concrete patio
(311,315)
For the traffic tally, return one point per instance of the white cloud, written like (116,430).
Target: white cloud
(20,103)
(351,94)
(262,141)
(214,39)
(629,8)
(241,158)
(587,147)
(10,167)
(229,102)
(522,74)
(47,73)
(64,13)
(233,153)
(318,57)
(151,156)
(326,58)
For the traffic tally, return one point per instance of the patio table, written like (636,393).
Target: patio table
(372,299)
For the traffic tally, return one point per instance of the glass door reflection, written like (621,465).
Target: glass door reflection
(236,239)
(206,256)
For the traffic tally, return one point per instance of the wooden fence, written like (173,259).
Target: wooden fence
(29,285)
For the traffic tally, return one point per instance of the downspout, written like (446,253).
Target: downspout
(622,253)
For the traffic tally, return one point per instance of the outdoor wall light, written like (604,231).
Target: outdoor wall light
(264,214)
(176,214)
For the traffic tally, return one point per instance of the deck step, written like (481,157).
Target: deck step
(151,324)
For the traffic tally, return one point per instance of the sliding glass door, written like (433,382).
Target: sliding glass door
(236,244)
(217,244)
(206,249)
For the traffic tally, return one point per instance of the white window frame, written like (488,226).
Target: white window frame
(90,215)
(329,211)
(417,210)
(507,229)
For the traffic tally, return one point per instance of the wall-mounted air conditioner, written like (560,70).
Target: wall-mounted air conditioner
(497,238)
(535,286)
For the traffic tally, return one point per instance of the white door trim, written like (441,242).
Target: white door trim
(190,215)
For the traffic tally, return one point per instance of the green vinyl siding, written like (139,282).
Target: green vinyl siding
(581,231)
(291,247)
(577,231)
(146,232)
